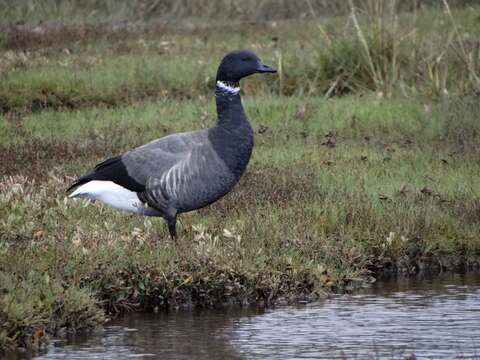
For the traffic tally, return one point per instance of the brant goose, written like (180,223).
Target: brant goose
(185,171)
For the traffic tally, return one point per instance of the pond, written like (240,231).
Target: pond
(431,317)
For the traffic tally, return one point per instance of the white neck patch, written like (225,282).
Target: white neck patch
(227,88)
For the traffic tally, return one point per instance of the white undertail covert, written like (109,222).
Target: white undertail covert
(113,195)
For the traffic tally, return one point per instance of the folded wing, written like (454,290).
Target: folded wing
(132,169)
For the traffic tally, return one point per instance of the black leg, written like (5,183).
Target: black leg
(172,227)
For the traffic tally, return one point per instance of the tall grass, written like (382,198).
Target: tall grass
(35,12)
(385,50)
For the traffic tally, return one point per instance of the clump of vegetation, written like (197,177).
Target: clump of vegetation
(387,51)
(33,305)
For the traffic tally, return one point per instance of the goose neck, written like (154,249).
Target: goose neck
(229,104)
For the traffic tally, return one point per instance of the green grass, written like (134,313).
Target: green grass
(355,171)
(427,55)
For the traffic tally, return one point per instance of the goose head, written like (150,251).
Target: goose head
(238,64)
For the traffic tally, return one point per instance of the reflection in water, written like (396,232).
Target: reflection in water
(433,318)
(175,335)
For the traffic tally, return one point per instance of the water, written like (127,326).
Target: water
(433,318)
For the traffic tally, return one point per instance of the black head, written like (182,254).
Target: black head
(240,63)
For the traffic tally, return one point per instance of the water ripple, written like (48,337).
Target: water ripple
(442,322)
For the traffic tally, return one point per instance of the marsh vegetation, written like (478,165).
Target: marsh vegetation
(366,158)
